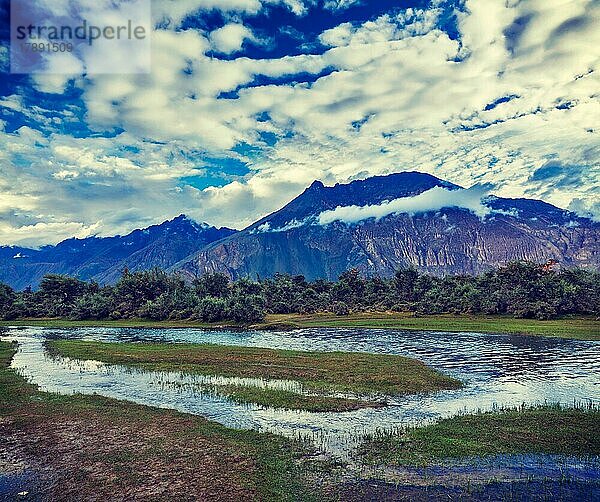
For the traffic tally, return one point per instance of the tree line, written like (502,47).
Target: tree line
(519,289)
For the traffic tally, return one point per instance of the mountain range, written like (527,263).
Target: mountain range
(103,259)
(376,225)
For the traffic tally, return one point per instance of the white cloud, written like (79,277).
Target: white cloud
(432,200)
(4,58)
(173,12)
(586,208)
(340,4)
(266,227)
(231,37)
(404,24)
(298,7)
(407,23)
(338,36)
(46,233)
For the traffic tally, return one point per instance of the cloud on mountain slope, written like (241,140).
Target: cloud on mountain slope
(434,199)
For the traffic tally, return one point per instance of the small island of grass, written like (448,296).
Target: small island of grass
(548,429)
(322,374)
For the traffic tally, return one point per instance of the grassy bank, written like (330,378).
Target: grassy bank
(542,430)
(321,372)
(582,328)
(91,447)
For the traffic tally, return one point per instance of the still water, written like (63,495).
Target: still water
(498,370)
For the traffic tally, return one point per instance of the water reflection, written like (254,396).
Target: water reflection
(497,370)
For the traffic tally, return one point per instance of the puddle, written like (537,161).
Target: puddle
(19,486)
(526,491)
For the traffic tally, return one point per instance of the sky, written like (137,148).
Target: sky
(249,101)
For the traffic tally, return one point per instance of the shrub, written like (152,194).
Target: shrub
(340,308)
(8,299)
(247,308)
(211,309)
(93,306)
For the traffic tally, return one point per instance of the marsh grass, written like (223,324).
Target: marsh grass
(321,373)
(277,398)
(582,328)
(544,429)
(164,445)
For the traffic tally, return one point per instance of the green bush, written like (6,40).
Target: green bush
(247,308)
(340,308)
(93,306)
(8,303)
(211,309)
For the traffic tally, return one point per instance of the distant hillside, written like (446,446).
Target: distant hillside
(103,258)
(304,237)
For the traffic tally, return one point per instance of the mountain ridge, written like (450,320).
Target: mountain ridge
(450,239)
(103,258)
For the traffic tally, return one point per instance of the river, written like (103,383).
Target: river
(498,370)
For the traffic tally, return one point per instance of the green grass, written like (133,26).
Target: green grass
(276,474)
(276,468)
(582,328)
(541,430)
(323,372)
(14,391)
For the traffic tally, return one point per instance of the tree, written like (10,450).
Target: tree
(247,287)
(8,300)
(284,293)
(580,291)
(134,290)
(340,308)
(216,285)
(377,294)
(350,288)
(58,295)
(404,284)
(247,308)
(212,309)
(95,305)
(521,289)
